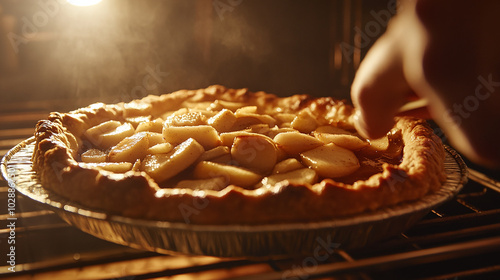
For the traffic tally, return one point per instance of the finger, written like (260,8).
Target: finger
(379,88)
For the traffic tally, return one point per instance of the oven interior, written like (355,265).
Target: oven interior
(57,56)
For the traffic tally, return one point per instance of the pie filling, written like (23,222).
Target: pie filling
(211,145)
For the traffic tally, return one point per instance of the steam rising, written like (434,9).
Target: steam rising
(105,51)
(121,50)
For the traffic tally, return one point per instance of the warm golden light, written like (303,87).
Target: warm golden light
(83,3)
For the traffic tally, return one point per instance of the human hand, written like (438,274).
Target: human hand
(446,52)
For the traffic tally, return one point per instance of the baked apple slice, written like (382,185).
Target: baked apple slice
(165,166)
(130,148)
(303,176)
(108,134)
(255,152)
(223,121)
(287,165)
(94,156)
(205,135)
(294,143)
(347,141)
(234,175)
(161,148)
(379,144)
(331,161)
(152,126)
(116,167)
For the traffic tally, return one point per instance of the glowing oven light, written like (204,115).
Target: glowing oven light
(83,3)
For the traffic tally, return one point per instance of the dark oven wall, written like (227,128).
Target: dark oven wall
(121,50)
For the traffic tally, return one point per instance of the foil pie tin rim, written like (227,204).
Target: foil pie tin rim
(447,191)
(16,169)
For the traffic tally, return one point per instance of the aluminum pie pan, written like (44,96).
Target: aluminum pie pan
(249,241)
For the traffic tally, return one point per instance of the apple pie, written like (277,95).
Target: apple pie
(231,156)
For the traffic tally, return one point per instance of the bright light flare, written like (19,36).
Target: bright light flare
(84,3)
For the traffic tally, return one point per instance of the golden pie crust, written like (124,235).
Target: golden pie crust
(416,171)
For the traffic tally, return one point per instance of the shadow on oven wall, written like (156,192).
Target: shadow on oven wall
(120,50)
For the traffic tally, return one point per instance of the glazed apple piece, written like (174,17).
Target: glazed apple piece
(205,135)
(255,152)
(273,131)
(347,141)
(102,128)
(390,145)
(230,105)
(246,110)
(135,121)
(152,126)
(108,134)
(130,148)
(116,167)
(380,144)
(235,175)
(294,143)
(227,138)
(261,128)
(191,118)
(155,138)
(165,166)
(331,161)
(215,153)
(161,148)
(245,118)
(285,119)
(135,147)
(223,121)
(303,176)
(94,156)
(304,122)
(114,137)
(287,165)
